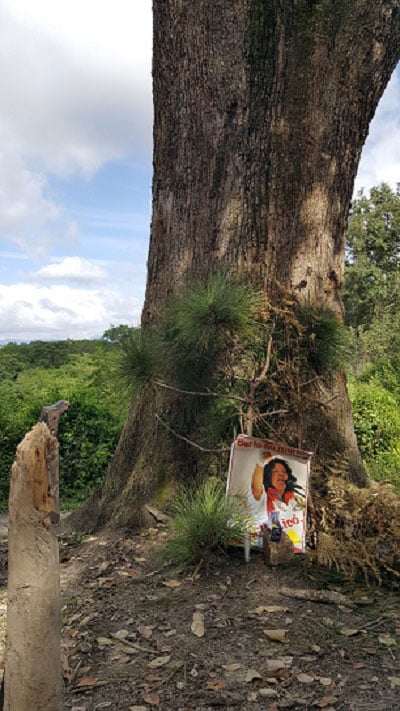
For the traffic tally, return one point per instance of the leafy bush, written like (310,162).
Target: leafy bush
(386,372)
(205,522)
(88,431)
(377,424)
(227,358)
(88,437)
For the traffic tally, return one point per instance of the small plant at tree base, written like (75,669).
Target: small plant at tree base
(205,522)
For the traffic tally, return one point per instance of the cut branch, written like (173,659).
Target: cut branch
(264,415)
(207,393)
(189,441)
(261,378)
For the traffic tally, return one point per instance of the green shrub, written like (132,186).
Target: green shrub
(88,431)
(377,424)
(386,372)
(205,522)
(88,436)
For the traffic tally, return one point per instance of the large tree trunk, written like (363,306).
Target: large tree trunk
(261,111)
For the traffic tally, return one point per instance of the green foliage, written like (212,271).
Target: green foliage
(88,431)
(377,424)
(372,276)
(373,235)
(40,354)
(205,522)
(372,303)
(200,325)
(88,436)
(385,370)
(138,359)
(118,334)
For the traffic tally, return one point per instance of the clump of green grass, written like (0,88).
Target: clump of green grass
(323,338)
(138,359)
(201,323)
(206,521)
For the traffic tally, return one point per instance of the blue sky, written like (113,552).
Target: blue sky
(75,164)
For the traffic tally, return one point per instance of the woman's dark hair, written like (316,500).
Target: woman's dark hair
(291,484)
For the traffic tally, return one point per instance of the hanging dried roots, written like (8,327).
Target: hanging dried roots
(358,530)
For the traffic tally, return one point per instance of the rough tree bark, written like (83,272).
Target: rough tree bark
(262,108)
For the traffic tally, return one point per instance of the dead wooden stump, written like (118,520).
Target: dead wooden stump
(33,672)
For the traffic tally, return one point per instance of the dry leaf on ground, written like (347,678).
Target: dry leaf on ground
(197,625)
(87,681)
(324,701)
(325,681)
(121,634)
(216,685)
(304,678)
(349,631)
(270,609)
(145,631)
(104,641)
(232,667)
(387,640)
(276,635)
(159,662)
(172,583)
(251,675)
(268,693)
(274,664)
(151,678)
(152,699)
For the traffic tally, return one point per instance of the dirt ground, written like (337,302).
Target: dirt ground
(140,635)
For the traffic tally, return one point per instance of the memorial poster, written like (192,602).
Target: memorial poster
(273,479)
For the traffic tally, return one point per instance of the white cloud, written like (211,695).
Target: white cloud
(73,269)
(75,93)
(76,88)
(89,27)
(27,216)
(29,312)
(380,159)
